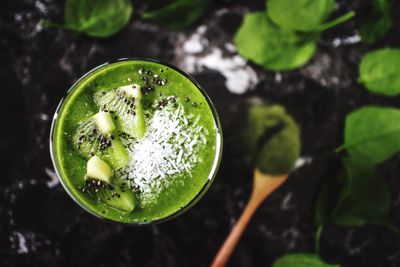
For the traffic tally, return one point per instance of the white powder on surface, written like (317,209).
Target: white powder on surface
(196,42)
(22,247)
(196,55)
(53,178)
(239,77)
(303,161)
(346,41)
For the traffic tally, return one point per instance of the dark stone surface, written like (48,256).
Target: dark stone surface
(41,226)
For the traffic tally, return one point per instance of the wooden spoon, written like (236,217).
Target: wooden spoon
(263,186)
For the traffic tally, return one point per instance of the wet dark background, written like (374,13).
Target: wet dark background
(41,226)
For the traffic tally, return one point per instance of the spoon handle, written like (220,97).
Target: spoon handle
(230,243)
(263,186)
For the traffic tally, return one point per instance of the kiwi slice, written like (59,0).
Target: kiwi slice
(97,136)
(104,122)
(125,104)
(121,199)
(98,169)
(117,196)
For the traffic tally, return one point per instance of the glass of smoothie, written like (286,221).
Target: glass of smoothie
(136,141)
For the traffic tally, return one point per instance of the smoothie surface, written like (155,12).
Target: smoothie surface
(177,188)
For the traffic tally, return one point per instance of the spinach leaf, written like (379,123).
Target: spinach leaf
(372,134)
(380,73)
(178,14)
(97,18)
(263,42)
(357,196)
(378,21)
(273,138)
(301,260)
(328,195)
(364,197)
(300,15)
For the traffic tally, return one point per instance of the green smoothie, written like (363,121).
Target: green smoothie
(136,141)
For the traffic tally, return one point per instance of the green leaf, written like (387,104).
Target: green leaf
(364,196)
(97,18)
(372,134)
(273,138)
(377,23)
(380,73)
(359,194)
(354,197)
(300,15)
(178,14)
(263,42)
(301,260)
(328,195)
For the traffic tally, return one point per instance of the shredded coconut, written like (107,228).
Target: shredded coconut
(168,150)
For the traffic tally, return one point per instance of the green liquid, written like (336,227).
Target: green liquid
(79,105)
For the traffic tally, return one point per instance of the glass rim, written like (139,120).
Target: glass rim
(211,175)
